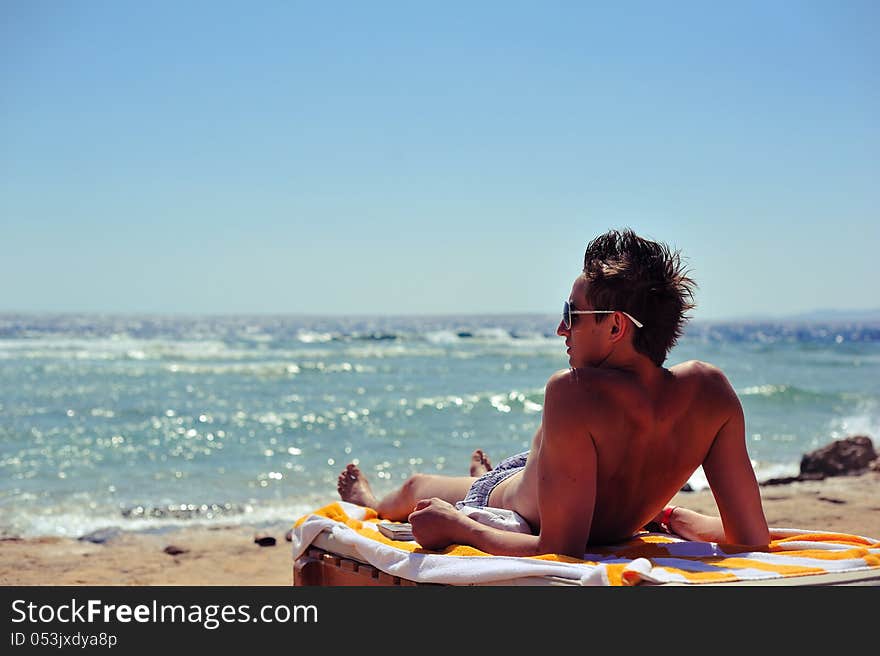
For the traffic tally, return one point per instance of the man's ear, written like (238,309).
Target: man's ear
(618,329)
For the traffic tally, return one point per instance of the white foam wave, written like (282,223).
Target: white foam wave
(114,349)
(764,471)
(763,390)
(866,422)
(493,335)
(502,402)
(442,337)
(698,480)
(393,351)
(269,369)
(74,524)
(313,337)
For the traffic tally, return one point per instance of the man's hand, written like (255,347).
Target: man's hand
(436,524)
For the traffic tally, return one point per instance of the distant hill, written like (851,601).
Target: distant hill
(836,315)
(819,315)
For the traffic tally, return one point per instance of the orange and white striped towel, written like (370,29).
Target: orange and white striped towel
(647,557)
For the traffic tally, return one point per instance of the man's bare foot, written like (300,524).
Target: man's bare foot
(353,487)
(480,463)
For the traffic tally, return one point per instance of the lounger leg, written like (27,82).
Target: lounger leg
(307,571)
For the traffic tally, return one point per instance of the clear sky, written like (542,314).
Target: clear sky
(452,157)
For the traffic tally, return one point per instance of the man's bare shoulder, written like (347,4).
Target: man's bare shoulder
(561,382)
(698,369)
(572,378)
(576,398)
(578,389)
(710,379)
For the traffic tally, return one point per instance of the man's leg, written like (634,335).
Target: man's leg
(353,487)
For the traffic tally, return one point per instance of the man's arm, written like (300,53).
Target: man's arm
(566,491)
(436,524)
(732,478)
(567,469)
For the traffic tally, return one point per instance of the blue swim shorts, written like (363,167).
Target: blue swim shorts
(478,495)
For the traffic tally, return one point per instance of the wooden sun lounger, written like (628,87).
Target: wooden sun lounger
(322,566)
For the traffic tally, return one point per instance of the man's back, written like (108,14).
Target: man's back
(650,430)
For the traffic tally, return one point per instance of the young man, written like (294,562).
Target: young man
(619,436)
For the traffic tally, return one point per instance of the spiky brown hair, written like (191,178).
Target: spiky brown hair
(644,278)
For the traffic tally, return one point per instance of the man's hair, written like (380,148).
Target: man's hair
(645,278)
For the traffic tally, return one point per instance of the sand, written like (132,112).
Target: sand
(229,556)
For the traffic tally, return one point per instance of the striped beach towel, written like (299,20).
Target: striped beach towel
(645,558)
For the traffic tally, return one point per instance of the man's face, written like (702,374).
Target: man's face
(586,341)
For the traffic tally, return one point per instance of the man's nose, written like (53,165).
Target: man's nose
(561,330)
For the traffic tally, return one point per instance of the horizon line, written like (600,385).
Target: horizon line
(863,314)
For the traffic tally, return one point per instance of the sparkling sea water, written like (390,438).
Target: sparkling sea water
(142,422)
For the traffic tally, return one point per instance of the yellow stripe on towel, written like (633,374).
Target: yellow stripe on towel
(831,538)
(823,554)
(335,512)
(752,563)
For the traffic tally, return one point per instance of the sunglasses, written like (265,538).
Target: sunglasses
(567,312)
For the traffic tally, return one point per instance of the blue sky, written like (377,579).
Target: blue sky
(348,157)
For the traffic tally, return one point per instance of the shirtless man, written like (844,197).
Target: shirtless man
(619,435)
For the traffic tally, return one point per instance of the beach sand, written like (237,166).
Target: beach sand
(229,556)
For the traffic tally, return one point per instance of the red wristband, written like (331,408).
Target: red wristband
(667,515)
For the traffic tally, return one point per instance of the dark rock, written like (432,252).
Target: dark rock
(781,481)
(100,536)
(289,536)
(264,540)
(811,476)
(850,455)
(173,550)
(687,488)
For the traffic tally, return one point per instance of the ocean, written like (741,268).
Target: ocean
(150,422)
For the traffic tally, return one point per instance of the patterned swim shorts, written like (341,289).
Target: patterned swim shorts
(478,495)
